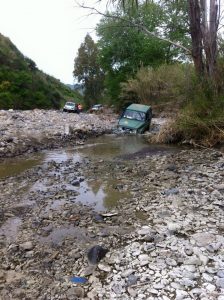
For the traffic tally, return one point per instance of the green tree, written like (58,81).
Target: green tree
(203,18)
(124,48)
(88,71)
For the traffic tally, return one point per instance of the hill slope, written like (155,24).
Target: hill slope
(23,86)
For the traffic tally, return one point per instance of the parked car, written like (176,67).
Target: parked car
(71,107)
(96,108)
(136,118)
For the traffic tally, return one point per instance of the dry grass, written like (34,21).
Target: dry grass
(196,133)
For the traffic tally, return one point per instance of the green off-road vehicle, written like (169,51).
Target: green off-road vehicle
(136,118)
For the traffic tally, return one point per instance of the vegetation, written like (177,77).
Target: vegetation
(124,48)
(23,86)
(89,72)
(166,83)
(167,52)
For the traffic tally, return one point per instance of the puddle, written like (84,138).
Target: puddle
(109,146)
(15,166)
(58,235)
(98,194)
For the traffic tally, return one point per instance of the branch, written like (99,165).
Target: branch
(144,29)
(139,26)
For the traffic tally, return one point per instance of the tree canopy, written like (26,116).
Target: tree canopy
(88,71)
(124,47)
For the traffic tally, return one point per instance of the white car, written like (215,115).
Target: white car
(96,107)
(71,107)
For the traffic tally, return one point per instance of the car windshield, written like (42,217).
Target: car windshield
(70,104)
(136,115)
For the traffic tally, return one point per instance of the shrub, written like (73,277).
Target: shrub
(164,84)
(200,122)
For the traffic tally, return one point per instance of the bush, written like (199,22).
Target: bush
(164,84)
(200,122)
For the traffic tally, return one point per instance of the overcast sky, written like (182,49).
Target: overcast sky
(48,31)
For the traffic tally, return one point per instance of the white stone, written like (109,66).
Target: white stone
(26,246)
(210,287)
(127,272)
(203,239)
(180,294)
(207,277)
(104,267)
(144,230)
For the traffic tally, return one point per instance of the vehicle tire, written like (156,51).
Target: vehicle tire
(64,110)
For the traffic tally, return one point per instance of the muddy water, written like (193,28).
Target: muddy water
(98,194)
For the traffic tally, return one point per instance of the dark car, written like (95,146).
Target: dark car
(136,118)
(71,107)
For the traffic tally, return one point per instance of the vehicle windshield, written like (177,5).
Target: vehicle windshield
(70,103)
(135,115)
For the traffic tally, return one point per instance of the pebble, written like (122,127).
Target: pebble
(75,292)
(220,283)
(104,267)
(26,246)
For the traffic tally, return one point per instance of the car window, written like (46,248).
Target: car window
(136,115)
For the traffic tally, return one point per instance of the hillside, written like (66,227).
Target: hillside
(23,86)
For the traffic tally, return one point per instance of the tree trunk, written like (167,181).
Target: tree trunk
(196,35)
(209,31)
(204,23)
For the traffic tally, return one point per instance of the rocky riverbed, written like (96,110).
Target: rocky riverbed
(164,234)
(32,130)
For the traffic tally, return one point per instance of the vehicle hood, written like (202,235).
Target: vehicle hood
(130,123)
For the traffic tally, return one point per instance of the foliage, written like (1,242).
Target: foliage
(88,71)
(23,86)
(203,22)
(200,122)
(163,84)
(124,48)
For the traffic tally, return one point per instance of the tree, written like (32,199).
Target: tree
(88,71)
(204,21)
(123,49)
(203,17)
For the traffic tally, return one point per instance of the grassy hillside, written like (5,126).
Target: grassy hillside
(23,86)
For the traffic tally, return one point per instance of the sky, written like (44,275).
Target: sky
(48,31)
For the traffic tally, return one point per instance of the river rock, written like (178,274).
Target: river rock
(75,292)
(96,253)
(127,273)
(220,283)
(203,239)
(104,267)
(220,273)
(26,246)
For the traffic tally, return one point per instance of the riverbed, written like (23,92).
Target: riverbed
(157,209)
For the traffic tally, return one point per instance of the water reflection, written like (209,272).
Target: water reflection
(14,166)
(110,146)
(98,193)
